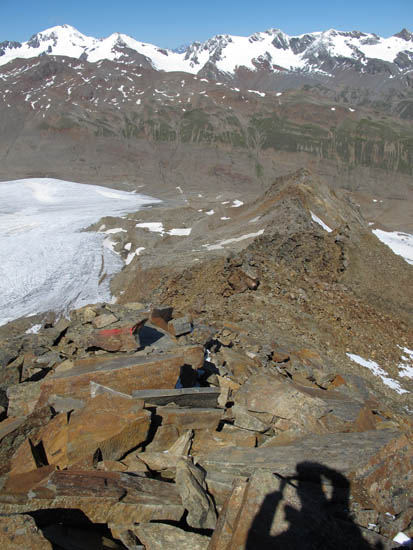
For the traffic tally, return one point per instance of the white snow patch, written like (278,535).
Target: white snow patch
(127,246)
(154,227)
(115,230)
(254,220)
(406,366)
(34,329)
(400,243)
(320,222)
(220,245)
(209,213)
(403,539)
(378,371)
(262,94)
(46,261)
(236,203)
(225,218)
(181,232)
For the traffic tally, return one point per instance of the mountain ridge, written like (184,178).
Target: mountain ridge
(278,51)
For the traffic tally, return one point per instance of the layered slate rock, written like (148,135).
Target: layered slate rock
(341,451)
(104,497)
(184,397)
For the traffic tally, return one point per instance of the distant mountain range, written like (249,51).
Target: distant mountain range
(274,51)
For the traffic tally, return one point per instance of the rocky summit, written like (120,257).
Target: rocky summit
(247,383)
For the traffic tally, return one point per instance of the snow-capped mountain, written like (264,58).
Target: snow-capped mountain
(272,50)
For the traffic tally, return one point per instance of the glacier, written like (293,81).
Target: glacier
(46,261)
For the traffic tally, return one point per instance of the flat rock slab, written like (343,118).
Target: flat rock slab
(184,397)
(158,536)
(340,451)
(104,497)
(122,373)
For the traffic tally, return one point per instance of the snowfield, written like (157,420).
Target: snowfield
(400,243)
(46,261)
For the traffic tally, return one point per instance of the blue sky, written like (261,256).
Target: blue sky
(169,24)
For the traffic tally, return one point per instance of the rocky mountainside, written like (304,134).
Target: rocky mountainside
(249,386)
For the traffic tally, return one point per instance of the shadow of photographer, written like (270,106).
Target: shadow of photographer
(308,511)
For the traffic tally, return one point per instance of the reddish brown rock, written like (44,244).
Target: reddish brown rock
(120,337)
(111,424)
(104,497)
(122,373)
(160,316)
(23,460)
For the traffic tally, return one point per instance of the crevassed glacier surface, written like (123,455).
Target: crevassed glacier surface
(46,261)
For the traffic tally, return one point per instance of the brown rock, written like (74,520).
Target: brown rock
(164,437)
(256,422)
(19,532)
(16,431)
(158,536)
(187,419)
(112,424)
(384,481)
(221,538)
(239,365)
(168,459)
(206,441)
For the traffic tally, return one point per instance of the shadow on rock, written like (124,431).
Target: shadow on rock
(309,511)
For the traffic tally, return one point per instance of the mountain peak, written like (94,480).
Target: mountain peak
(405,34)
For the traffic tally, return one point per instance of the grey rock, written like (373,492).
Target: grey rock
(190,482)
(184,397)
(180,326)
